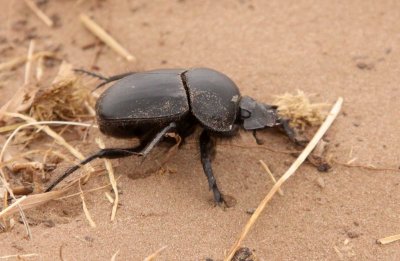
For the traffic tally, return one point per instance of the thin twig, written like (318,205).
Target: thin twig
(388,240)
(296,164)
(37,123)
(111,176)
(85,209)
(265,166)
(113,258)
(20,60)
(51,133)
(39,68)
(29,61)
(105,37)
(4,211)
(84,192)
(42,16)
(366,167)
(3,178)
(19,256)
(155,254)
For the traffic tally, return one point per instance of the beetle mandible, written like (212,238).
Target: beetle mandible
(148,105)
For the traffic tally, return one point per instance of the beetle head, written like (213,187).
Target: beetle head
(256,115)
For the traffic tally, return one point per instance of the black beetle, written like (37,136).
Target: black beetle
(150,104)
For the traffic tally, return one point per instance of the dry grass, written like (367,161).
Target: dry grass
(389,239)
(296,164)
(153,256)
(19,256)
(265,166)
(39,13)
(18,61)
(85,209)
(299,109)
(63,100)
(105,37)
(113,182)
(114,257)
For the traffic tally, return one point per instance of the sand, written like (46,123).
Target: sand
(328,48)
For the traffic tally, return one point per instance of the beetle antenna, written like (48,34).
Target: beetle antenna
(112,79)
(95,75)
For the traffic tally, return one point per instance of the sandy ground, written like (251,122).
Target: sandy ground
(330,48)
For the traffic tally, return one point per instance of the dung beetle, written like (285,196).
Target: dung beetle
(150,104)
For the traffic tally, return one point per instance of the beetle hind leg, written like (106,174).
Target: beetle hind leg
(113,153)
(206,150)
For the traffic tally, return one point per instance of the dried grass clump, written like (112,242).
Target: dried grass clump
(300,111)
(65,99)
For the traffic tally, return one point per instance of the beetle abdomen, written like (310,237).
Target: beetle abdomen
(142,99)
(214,98)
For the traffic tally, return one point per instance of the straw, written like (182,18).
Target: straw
(29,61)
(265,166)
(389,239)
(155,254)
(39,13)
(21,59)
(105,37)
(113,182)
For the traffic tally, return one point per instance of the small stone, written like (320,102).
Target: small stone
(244,254)
(320,182)
(353,234)
(250,211)
(89,239)
(365,66)
(49,223)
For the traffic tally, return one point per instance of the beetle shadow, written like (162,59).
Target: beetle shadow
(155,162)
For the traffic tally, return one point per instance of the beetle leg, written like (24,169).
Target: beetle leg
(111,153)
(258,140)
(291,133)
(157,139)
(206,149)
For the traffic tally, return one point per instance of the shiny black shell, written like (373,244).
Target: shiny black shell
(214,98)
(150,100)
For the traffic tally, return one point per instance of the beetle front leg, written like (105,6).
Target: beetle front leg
(258,140)
(206,149)
(291,133)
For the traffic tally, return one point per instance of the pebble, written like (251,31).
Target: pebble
(320,182)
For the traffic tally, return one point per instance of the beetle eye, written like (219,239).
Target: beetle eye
(245,114)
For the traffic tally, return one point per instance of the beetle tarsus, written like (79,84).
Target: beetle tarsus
(258,140)
(206,149)
(290,132)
